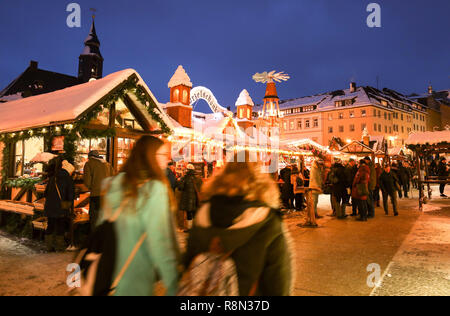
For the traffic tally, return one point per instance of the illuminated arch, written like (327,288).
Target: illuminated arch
(202,93)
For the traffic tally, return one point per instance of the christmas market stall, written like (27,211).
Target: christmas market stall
(107,115)
(425,146)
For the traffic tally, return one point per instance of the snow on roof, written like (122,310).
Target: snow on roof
(180,77)
(63,105)
(244,99)
(361,97)
(428,138)
(11,97)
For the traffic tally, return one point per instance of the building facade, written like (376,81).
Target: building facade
(345,114)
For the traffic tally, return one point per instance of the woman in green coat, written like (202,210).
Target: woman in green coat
(143,191)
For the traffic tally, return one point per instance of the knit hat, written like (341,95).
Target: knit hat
(95,154)
(68,167)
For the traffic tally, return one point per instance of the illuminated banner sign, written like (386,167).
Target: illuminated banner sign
(202,93)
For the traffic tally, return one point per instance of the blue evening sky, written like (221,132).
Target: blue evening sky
(322,44)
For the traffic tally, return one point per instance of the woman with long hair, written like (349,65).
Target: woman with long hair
(142,192)
(242,210)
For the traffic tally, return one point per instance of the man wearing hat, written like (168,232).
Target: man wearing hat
(95,171)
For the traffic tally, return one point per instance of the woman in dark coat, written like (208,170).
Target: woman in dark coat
(242,213)
(59,188)
(189,187)
(361,179)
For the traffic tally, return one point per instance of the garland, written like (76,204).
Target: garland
(5,167)
(27,183)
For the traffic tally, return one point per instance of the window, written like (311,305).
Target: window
(389,116)
(341,129)
(330,116)
(385,115)
(25,151)
(363,127)
(379,127)
(352,128)
(307,124)
(285,126)
(352,114)
(330,130)
(402,117)
(403,129)
(291,125)
(363,113)
(316,122)
(374,113)
(299,124)
(390,130)
(341,116)
(384,103)
(375,127)
(385,129)
(85,146)
(379,113)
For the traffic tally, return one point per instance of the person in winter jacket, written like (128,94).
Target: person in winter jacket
(190,187)
(404,178)
(143,194)
(372,186)
(443,172)
(287,190)
(376,194)
(243,212)
(316,182)
(298,184)
(95,171)
(351,171)
(339,189)
(388,189)
(60,188)
(170,173)
(361,180)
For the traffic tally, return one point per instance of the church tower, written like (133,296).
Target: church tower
(180,86)
(90,61)
(244,106)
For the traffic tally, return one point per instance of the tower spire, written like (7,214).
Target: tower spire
(91,60)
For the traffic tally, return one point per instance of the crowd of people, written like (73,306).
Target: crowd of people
(361,185)
(236,213)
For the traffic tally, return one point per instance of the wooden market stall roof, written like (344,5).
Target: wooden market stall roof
(433,142)
(357,148)
(67,105)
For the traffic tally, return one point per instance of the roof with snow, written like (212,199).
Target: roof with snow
(429,138)
(67,104)
(244,99)
(362,96)
(180,77)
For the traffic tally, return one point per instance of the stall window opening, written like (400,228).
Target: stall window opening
(25,151)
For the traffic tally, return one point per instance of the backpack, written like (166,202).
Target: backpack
(97,260)
(211,273)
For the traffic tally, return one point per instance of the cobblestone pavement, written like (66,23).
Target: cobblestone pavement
(422,264)
(412,251)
